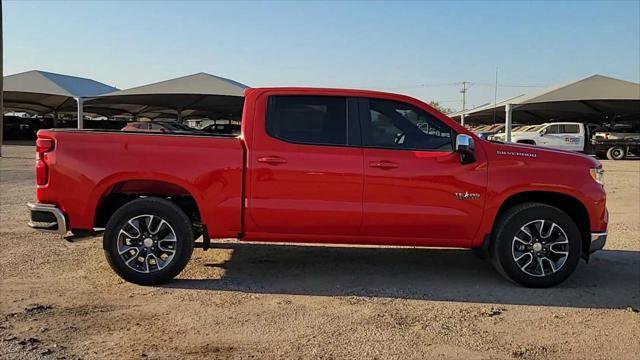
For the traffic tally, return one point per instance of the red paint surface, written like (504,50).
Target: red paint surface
(309,193)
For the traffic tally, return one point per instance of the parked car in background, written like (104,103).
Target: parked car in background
(617,141)
(572,136)
(223,126)
(158,126)
(500,135)
(488,133)
(618,131)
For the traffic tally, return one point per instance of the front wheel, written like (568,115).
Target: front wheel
(148,241)
(536,245)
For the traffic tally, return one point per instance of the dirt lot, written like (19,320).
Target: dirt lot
(61,300)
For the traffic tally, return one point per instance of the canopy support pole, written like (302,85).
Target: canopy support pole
(1,81)
(507,122)
(180,116)
(55,119)
(80,102)
(462,119)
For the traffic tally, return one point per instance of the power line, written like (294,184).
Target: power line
(461,83)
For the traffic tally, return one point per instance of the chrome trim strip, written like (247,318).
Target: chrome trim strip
(598,235)
(60,220)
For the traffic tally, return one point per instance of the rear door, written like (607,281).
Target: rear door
(416,190)
(306,171)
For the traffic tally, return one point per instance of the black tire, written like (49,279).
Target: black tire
(616,153)
(179,228)
(503,247)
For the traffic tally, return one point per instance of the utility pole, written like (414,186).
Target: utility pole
(464,94)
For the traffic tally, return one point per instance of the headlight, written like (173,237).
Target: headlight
(598,175)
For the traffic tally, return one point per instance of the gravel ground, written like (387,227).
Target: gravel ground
(61,300)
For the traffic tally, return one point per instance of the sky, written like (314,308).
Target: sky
(423,49)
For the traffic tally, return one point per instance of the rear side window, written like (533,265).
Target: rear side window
(570,129)
(308,119)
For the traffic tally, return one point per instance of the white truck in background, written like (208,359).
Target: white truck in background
(573,136)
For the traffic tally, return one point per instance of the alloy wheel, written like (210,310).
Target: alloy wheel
(540,248)
(147,243)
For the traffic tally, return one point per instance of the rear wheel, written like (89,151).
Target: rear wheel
(616,153)
(536,245)
(148,241)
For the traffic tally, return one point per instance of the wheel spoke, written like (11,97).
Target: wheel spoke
(522,256)
(133,257)
(551,263)
(541,266)
(166,249)
(127,248)
(161,224)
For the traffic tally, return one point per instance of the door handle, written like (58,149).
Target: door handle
(384,164)
(273,160)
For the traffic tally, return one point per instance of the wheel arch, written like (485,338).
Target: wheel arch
(571,205)
(110,197)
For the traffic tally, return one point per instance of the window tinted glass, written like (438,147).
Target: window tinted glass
(553,129)
(396,125)
(570,129)
(308,119)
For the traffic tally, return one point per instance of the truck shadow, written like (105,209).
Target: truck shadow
(610,280)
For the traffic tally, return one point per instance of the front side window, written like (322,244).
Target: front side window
(396,125)
(553,129)
(308,119)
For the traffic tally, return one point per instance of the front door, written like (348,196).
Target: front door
(306,175)
(564,137)
(415,189)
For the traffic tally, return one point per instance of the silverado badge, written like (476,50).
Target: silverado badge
(467,196)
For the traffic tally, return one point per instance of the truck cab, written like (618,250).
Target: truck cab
(570,136)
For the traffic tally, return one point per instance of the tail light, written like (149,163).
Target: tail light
(42,169)
(606,136)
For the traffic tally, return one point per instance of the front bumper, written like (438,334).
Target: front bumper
(47,218)
(598,239)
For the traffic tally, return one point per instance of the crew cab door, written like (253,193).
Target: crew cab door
(306,173)
(415,185)
(564,136)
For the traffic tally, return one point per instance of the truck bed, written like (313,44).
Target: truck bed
(88,166)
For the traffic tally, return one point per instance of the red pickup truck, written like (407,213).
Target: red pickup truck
(321,166)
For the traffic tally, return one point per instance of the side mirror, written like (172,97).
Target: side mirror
(543,132)
(465,147)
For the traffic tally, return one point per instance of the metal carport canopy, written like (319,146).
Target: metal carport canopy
(45,92)
(594,98)
(202,92)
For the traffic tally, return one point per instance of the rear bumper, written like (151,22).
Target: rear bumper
(598,240)
(47,218)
